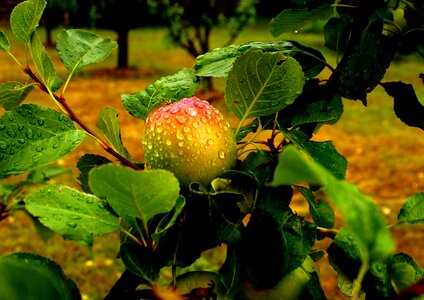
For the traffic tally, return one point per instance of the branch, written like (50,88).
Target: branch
(61,101)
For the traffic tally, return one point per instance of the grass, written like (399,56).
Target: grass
(385,156)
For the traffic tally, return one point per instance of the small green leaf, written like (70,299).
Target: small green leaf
(42,61)
(139,261)
(404,271)
(25,18)
(33,136)
(336,33)
(296,167)
(85,164)
(47,280)
(167,89)
(108,124)
(13,93)
(78,48)
(323,153)
(75,215)
(322,213)
(261,84)
(293,19)
(413,210)
(133,193)
(407,106)
(4,42)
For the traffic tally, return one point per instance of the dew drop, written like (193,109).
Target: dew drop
(180,143)
(156,154)
(175,109)
(210,142)
(159,129)
(72,225)
(101,205)
(76,218)
(11,133)
(20,127)
(189,137)
(191,111)
(2,127)
(90,201)
(40,122)
(39,149)
(180,135)
(204,120)
(221,154)
(21,141)
(149,146)
(186,129)
(3,145)
(195,125)
(55,146)
(168,142)
(181,119)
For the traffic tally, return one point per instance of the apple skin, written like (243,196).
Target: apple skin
(289,288)
(190,138)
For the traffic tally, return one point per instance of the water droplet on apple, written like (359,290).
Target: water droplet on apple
(191,111)
(221,154)
(168,142)
(180,135)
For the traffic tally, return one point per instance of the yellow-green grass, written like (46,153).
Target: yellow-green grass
(385,155)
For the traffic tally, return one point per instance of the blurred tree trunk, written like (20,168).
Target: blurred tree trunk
(123,48)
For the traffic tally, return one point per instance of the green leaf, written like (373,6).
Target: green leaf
(296,167)
(293,19)
(140,261)
(261,84)
(135,194)
(47,280)
(322,213)
(413,210)
(75,215)
(218,62)
(42,61)
(13,93)
(25,18)
(367,64)
(323,153)
(4,42)
(406,104)
(167,89)
(336,33)
(85,164)
(404,271)
(32,136)
(108,124)
(78,48)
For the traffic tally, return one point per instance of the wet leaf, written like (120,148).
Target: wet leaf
(261,84)
(134,194)
(74,215)
(43,62)
(25,18)
(167,89)
(12,94)
(32,136)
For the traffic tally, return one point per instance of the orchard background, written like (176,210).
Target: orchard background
(385,156)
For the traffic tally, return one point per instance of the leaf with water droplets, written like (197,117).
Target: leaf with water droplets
(13,93)
(26,17)
(261,84)
(134,194)
(108,124)
(32,136)
(170,88)
(78,48)
(75,215)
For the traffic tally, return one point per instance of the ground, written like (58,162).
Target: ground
(385,156)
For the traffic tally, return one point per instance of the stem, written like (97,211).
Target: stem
(357,283)
(64,106)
